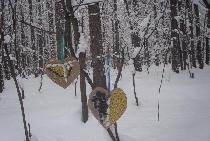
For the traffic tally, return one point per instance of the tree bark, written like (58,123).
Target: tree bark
(33,46)
(4,60)
(96,48)
(183,28)
(191,34)
(1,47)
(207,38)
(135,39)
(207,50)
(116,47)
(134,90)
(68,29)
(174,36)
(59,22)
(83,87)
(1,79)
(199,54)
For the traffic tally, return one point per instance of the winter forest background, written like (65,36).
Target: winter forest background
(149,32)
(146,39)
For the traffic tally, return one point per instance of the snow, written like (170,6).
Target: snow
(85,2)
(200,3)
(82,46)
(144,24)
(135,52)
(55,113)
(7,39)
(12,57)
(132,68)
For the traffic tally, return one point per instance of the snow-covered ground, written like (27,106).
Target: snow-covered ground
(55,113)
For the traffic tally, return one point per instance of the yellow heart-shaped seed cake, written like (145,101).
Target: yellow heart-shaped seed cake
(117,105)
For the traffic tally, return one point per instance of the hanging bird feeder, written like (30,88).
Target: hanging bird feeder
(63,71)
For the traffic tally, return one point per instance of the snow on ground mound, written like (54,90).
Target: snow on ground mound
(55,113)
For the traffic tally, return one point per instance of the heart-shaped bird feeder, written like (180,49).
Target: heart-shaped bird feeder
(107,110)
(65,73)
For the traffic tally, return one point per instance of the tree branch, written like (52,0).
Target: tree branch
(148,36)
(12,69)
(88,79)
(207,4)
(43,30)
(75,6)
(120,70)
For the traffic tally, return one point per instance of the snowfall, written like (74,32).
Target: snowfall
(54,113)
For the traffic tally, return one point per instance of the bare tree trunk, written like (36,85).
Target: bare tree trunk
(208,20)
(1,79)
(207,50)
(83,88)
(1,47)
(208,39)
(59,22)
(22,61)
(198,34)
(134,89)
(68,30)
(70,19)
(116,47)
(135,39)
(35,58)
(4,61)
(192,46)
(174,36)
(14,32)
(41,43)
(96,48)
(183,28)
(6,67)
